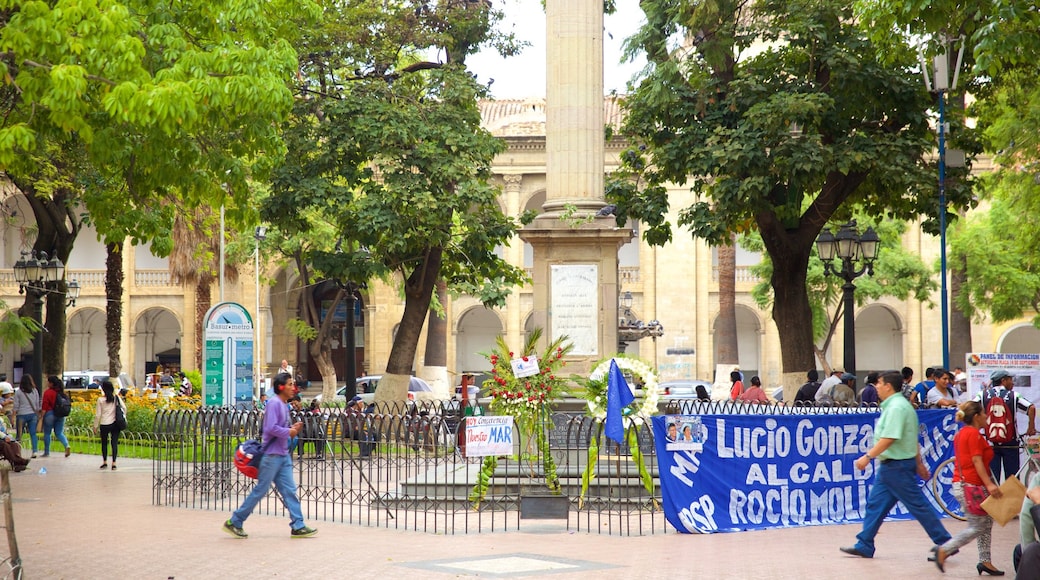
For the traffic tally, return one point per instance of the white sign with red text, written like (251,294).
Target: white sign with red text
(489,436)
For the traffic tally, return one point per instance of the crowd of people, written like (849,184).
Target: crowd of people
(986,452)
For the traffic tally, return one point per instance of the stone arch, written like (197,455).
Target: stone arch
(156,338)
(476,330)
(879,340)
(1022,337)
(86,345)
(750,331)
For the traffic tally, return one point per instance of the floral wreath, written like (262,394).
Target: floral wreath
(596,389)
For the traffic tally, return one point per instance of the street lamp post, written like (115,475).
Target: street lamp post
(259,235)
(37,276)
(942,86)
(350,289)
(631,329)
(857,254)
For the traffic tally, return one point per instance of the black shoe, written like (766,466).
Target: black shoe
(852,551)
(303,532)
(991,571)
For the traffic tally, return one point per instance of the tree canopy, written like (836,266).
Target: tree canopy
(780,115)
(385,146)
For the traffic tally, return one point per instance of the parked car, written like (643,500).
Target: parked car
(89,379)
(686,389)
(367,385)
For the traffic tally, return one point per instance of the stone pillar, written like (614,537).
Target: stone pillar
(574,138)
(575,253)
(514,312)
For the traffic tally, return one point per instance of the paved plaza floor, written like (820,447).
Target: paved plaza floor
(77,521)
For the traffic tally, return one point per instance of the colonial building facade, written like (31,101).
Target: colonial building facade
(676,285)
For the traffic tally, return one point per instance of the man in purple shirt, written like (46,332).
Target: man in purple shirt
(276,464)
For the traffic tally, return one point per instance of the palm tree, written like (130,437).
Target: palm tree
(194,261)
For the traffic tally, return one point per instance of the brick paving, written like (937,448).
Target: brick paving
(77,521)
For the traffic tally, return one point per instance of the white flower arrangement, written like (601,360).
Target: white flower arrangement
(638,411)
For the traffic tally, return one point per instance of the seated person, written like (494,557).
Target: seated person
(9,448)
(1027,520)
(357,425)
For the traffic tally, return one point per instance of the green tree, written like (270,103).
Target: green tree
(386,148)
(780,139)
(897,273)
(1003,65)
(158,106)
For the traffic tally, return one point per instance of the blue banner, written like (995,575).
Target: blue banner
(726,473)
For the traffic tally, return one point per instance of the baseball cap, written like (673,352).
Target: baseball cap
(848,377)
(999,375)
(355,398)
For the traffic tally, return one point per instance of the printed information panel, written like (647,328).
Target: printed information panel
(747,472)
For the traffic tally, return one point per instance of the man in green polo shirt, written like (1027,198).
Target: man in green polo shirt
(895,444)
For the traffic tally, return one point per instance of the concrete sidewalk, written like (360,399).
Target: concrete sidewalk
(77,521)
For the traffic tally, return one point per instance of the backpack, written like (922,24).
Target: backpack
(1000,410)
(248,456)
(62,405)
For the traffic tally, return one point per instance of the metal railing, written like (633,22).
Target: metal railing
(404,469)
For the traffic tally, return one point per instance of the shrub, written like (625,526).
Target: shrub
(140,410)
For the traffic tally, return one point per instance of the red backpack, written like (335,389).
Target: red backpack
(1000,410)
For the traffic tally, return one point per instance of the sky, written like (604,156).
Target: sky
(524,75)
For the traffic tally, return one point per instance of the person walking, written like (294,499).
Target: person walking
(52,423)
(105,417)
(900,456)
(1006,450)
(972,453)
(28,410)
(276,465)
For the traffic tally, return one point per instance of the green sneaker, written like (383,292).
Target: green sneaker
(234,530)
(304,532)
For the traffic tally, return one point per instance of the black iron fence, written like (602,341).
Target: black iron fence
(407,470)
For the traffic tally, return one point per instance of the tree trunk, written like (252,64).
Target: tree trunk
(960,325)
(435,361)
(726,324)
(418,290)
(202,306)
(790,250)
(114,276)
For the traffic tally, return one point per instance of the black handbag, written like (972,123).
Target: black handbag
(120,422)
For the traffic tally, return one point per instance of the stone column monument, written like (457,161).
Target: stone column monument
(575,252)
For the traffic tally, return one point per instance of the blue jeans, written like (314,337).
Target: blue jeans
(29,423)
(896,480)
(275,469)
(56,424)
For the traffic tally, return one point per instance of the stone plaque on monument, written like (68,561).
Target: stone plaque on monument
(574,308)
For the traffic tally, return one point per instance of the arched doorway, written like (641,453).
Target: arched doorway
(85,343)
(749,343)
(157,342)
(476,332)
(325,296)
(879,341)
(1024,338)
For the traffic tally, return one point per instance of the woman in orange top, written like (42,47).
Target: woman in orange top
(738,387)
(973,454)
